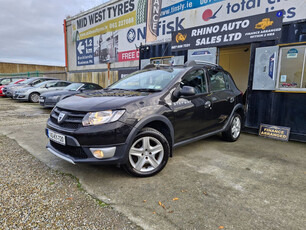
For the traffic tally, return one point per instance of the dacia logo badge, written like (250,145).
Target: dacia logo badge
(61,117)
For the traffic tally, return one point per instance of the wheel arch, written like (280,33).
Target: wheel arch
(158,122)
(33,93)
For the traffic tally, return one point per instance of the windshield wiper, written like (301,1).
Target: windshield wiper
(147,90)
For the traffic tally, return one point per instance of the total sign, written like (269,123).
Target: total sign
(85,52)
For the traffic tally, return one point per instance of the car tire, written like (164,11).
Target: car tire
(34,97)
(234,130)
(148,154)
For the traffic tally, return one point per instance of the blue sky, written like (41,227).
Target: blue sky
(31,31)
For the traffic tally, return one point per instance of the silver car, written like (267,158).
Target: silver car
(32,93)
(27,83)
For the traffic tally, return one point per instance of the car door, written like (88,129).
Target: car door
(59,85)
(48,86)
(221,96)
(193,114)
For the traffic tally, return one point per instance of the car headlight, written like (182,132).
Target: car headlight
(102,117)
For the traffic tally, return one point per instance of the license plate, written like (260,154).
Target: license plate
(41,100)
(56,137)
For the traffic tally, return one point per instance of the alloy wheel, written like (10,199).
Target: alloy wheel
(146,154)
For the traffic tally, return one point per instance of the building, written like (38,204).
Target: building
(261,43)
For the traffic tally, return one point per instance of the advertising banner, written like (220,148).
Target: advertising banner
(153,15)
(275,132)
(244,30)
(128,19)
(85,52)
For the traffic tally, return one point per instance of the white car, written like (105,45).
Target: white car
(32,93)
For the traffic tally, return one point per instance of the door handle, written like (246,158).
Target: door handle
(207,104)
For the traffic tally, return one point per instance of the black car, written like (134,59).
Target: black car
(137,121)
(49,99)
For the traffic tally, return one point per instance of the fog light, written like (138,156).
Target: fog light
(106,152)
(98,154)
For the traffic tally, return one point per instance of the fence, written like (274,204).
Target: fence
(55,74)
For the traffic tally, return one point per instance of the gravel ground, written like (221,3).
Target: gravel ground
(35,197)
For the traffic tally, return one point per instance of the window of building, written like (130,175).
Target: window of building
(292,73)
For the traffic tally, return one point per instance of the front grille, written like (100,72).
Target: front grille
(76,152)
(73,120)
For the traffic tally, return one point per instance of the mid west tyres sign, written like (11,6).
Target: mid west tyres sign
(124,22)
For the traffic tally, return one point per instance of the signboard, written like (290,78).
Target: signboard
(153,15)
(292,53)
(123,23)
(85,52)
(264,77)
(207,54)
(274,132)
(244,30)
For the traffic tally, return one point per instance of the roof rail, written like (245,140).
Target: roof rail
(200,62)
(149,66)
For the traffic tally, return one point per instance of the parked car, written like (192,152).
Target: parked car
(32,93)
(29,82)
(14,82)
(8,80)
(137,121)
(49,99)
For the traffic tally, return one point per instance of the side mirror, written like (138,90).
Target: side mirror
(187,91)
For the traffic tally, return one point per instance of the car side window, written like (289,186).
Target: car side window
(62,84)
(94,87)
(87,87)
(51,84)
(218,80)
(197,80)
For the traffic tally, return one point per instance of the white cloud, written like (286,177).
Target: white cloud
(31,31)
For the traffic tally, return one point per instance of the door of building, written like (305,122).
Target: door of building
(236,60)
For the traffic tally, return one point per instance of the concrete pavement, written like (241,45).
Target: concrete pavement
(254,183)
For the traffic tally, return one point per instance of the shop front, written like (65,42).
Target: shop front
(267,61)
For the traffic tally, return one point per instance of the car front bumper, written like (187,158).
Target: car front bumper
(47,103)
(21,96)
(80,144)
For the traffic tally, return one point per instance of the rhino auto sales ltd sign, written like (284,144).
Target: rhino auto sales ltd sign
(244,30)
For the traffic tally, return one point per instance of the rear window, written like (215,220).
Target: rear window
(218,80)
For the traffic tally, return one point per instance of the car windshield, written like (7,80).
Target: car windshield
(14,82)
(73,86)
(28,81)
(150,80)
(4,81)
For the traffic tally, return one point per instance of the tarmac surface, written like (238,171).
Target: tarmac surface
(254,183)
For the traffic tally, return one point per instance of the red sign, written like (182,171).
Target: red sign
(131,55)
